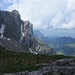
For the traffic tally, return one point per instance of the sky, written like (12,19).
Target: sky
(51,17)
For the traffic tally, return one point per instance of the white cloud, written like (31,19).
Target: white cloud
(38,11)
(70,24)
(5,3)
(46,14)
(56,21)
(65,20)
(70,5)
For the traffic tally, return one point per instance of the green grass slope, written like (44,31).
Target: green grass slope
(16,62)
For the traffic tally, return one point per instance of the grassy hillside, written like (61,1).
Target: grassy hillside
(15,62)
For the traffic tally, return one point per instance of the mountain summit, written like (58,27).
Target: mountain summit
(17,35)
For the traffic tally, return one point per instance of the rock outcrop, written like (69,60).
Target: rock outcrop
(12,27)
(11,22)
(59,67)
(1,46)
(10,44)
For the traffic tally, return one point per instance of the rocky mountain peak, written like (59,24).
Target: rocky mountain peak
(15,12)
(26,22)
(12,27)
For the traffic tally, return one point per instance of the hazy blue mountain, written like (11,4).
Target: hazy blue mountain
(39,35)
(61,45)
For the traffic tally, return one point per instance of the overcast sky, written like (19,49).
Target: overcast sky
(52,17)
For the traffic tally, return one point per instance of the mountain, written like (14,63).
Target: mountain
(38,34)
(61,45)
(17,35)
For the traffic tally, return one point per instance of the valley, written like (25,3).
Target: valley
(61,45)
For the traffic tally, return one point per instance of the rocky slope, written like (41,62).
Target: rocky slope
(59,67)
(17,35)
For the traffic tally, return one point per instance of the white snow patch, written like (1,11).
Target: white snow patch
(22,34)
(9,39)
(2,30)
(38,48)
(35,53)
(32,51)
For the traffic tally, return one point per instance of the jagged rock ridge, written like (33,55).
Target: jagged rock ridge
(12,28)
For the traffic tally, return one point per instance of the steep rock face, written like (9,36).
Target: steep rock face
(12,23)
(12,27)
(10,44)
(28,38)
(34,45)
(1,46)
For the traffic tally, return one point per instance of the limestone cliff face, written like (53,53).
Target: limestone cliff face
(28,37)
(30,43)
(12,23)
(12,27)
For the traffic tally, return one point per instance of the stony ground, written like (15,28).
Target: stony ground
(59,67)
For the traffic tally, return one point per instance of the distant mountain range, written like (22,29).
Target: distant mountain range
(61,45)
